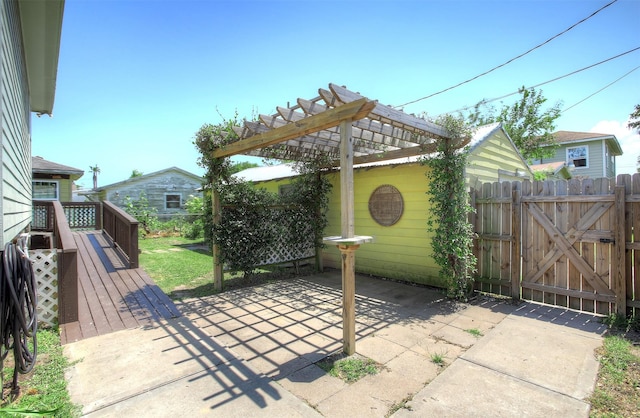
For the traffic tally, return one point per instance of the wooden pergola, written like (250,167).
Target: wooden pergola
(345,128)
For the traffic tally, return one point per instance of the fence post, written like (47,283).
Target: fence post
(516,243)
(618,259)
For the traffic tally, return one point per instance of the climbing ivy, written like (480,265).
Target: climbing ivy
(243,239)
(217,170)
(448,218)
(310,192)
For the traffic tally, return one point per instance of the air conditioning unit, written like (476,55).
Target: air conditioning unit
(41,241)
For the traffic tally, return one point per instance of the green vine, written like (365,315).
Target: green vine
(208,139)
(252,218)
(448,219)
(310,192)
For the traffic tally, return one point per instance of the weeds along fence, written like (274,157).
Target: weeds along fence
(265,235)
(573,243)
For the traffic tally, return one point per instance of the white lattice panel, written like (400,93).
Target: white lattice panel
(39,220)
(45,267)
(282,251)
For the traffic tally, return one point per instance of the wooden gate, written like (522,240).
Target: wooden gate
(560,243)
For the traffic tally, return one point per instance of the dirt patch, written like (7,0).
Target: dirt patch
(8,396)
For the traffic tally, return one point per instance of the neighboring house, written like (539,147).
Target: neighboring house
(391,204)
(587,154)
(494,157)
(29,48)
(53,181)
(553,171)
(165,190)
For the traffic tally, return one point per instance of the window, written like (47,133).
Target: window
(45,190)
(578,156)
(172,201)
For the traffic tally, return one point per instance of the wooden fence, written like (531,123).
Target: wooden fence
(564,243)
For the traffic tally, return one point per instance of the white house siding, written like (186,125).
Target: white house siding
(155,187)
(15,173)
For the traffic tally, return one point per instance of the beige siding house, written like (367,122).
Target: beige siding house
(165,190)
(587,154)
(29,48)
(53,181)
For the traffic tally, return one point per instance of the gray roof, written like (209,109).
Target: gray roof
(144,177)
(567,137)
(42,166)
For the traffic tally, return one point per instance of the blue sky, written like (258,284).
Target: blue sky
(138,78)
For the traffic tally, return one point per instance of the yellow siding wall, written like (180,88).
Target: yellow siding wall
(401,251)
(65,190)
(493,154)
(273,186)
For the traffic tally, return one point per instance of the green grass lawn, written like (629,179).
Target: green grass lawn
(617,391)
(183,268)
(179,266)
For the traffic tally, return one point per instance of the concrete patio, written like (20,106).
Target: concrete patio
(253,351)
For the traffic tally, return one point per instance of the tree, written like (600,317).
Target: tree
(634,119)
(135,173)
(242,165)
(634,123)
(95,170)
(529,126)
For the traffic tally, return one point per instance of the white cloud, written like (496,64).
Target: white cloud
(629,141)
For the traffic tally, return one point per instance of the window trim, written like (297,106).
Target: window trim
(172,194)
(571,160)
(33,188)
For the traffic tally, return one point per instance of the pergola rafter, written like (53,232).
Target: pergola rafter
(379,132)
(345,128)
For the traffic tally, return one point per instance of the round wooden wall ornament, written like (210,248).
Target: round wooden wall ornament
(386,205)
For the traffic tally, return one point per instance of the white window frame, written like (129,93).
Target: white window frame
(172,194)
(571,156)
(33,189)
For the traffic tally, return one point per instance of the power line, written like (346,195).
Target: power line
(553,79)
(512,59)
(593,94)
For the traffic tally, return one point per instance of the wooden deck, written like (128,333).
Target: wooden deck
(112,297)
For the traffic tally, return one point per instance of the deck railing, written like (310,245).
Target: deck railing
(122,228)
(80,215)
(67,266)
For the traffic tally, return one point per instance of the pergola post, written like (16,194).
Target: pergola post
(348,231)
(216,211)
(348,253)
